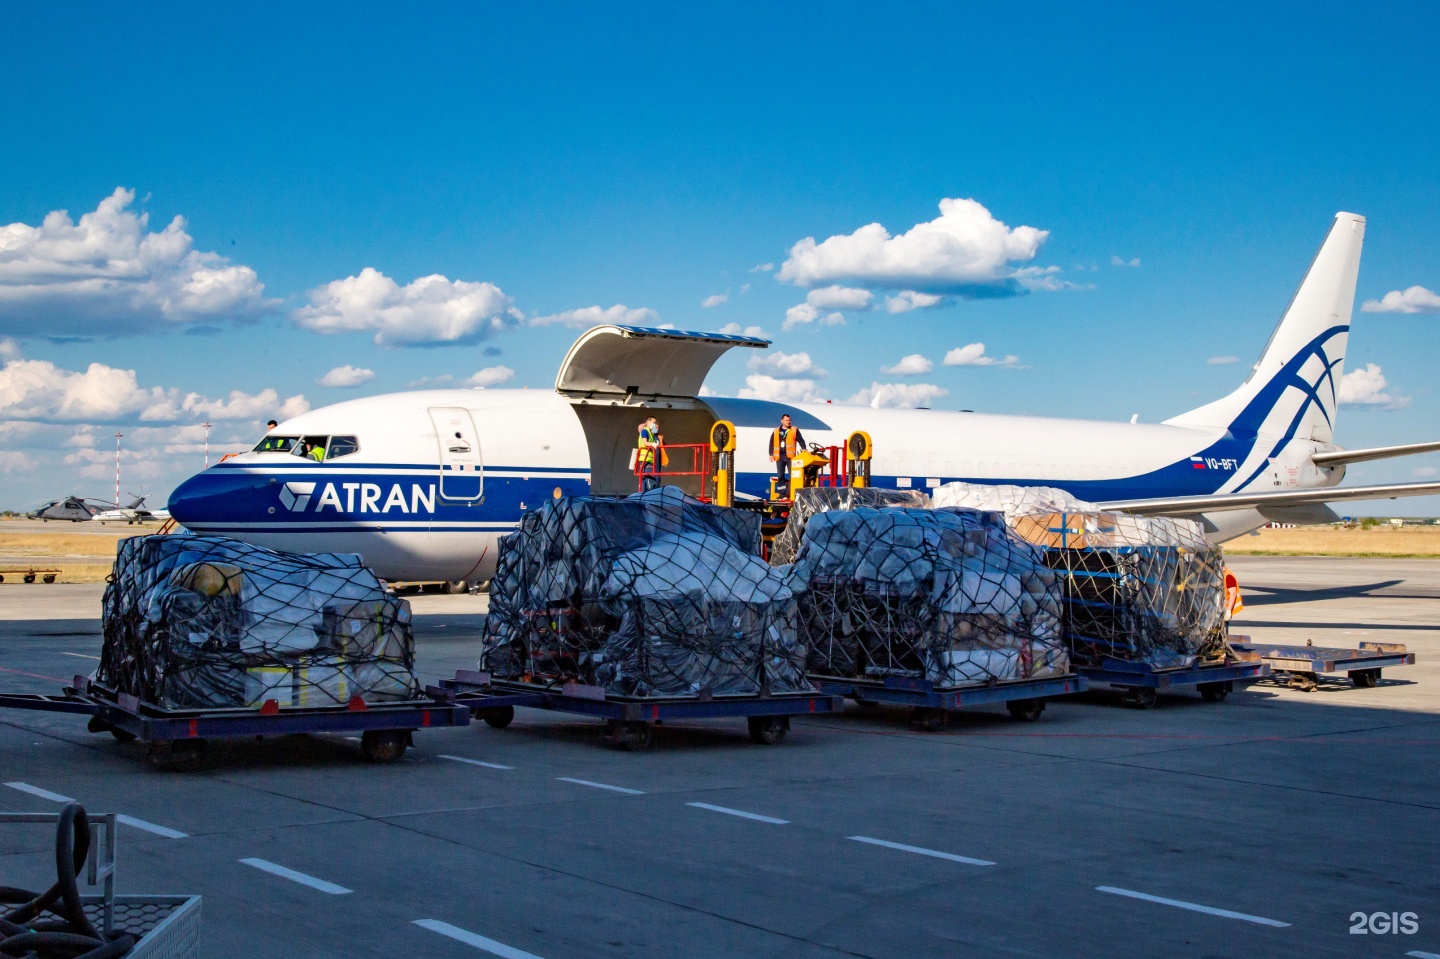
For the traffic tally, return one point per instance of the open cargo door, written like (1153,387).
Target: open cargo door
(616,375)
(636,364)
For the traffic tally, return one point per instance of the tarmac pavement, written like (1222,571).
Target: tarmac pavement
(1252,828)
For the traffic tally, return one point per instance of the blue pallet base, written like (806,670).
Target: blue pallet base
(1114,672)
(480,693)
(902,691)
(149,723)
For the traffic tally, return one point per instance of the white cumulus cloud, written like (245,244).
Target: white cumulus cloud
(1366,387)
(735,329)
(803,314)
(16,461)
(1222,360)
(40,390)
(1425,471)
(973,354)
(110,275)
(786,366)
(714,300)
(964,251)
(342,377)
(759,386)
(1121,261)
(898,395)
(907,300)
(1415,299)
(9,349)
(912,365)
(431,311)
(490,376)
(762,268)
(596,315)
(839,298)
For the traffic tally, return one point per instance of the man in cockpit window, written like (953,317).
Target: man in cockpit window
(314,450)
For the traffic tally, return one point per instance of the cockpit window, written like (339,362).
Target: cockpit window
(341,446)
(311,447)
(275,444)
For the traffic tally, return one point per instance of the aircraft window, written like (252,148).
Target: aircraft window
(275,444)
(341,446)
(310,446)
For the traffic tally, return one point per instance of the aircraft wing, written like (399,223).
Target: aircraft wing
(1190,505)
(1341,457)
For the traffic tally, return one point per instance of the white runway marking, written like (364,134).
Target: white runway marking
(739,812)
(474,939)
(586,782)
(78,655)
(1193,907)
(475,762)
(354,739)
(1424,955)
(264,865)
(37,791)
(165,831)
(921,851)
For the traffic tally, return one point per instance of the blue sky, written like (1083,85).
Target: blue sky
(552,158)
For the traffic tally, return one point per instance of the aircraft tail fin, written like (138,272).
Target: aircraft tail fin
(1293,389)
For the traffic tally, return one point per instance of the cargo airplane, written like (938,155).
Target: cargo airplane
(424,483)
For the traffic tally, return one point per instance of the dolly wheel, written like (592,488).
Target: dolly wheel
(177,755)
(1142,697)
(1025,710)
(769,730)
(1214,692)
(929,718)
(98,725)
(1365,678)
(384,745)
(636,737)
(499,717)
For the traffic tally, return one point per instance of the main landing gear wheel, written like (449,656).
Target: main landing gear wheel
(499,717)
(177,755)
(1025,710)
(929,718)
(1365,678)
(1215,692)
(769,730)
(1141,697)
(384,745)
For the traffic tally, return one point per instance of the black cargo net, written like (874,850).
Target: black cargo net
(949,596)
(1140,589)
(819,499)
(655,594)
(206,622)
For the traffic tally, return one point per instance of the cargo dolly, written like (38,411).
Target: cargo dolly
(930,704)
(177,737)
(1143,681)
(1301,667)
(629,720)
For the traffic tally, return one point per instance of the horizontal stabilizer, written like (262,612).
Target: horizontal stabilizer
(1191,505)
(1342,457)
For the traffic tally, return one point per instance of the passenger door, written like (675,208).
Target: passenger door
(462,476)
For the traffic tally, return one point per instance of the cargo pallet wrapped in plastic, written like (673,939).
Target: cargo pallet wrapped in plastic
(948,596)
(1138,589)
(821,499)
(650,595)
(203,622)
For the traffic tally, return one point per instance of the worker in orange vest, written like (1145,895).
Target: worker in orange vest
(1233,602)
(783,443)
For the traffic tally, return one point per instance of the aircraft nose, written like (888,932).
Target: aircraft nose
(212,497)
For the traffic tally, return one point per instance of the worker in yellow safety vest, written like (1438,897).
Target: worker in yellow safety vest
(315,451)
(649,453)
(783,443)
